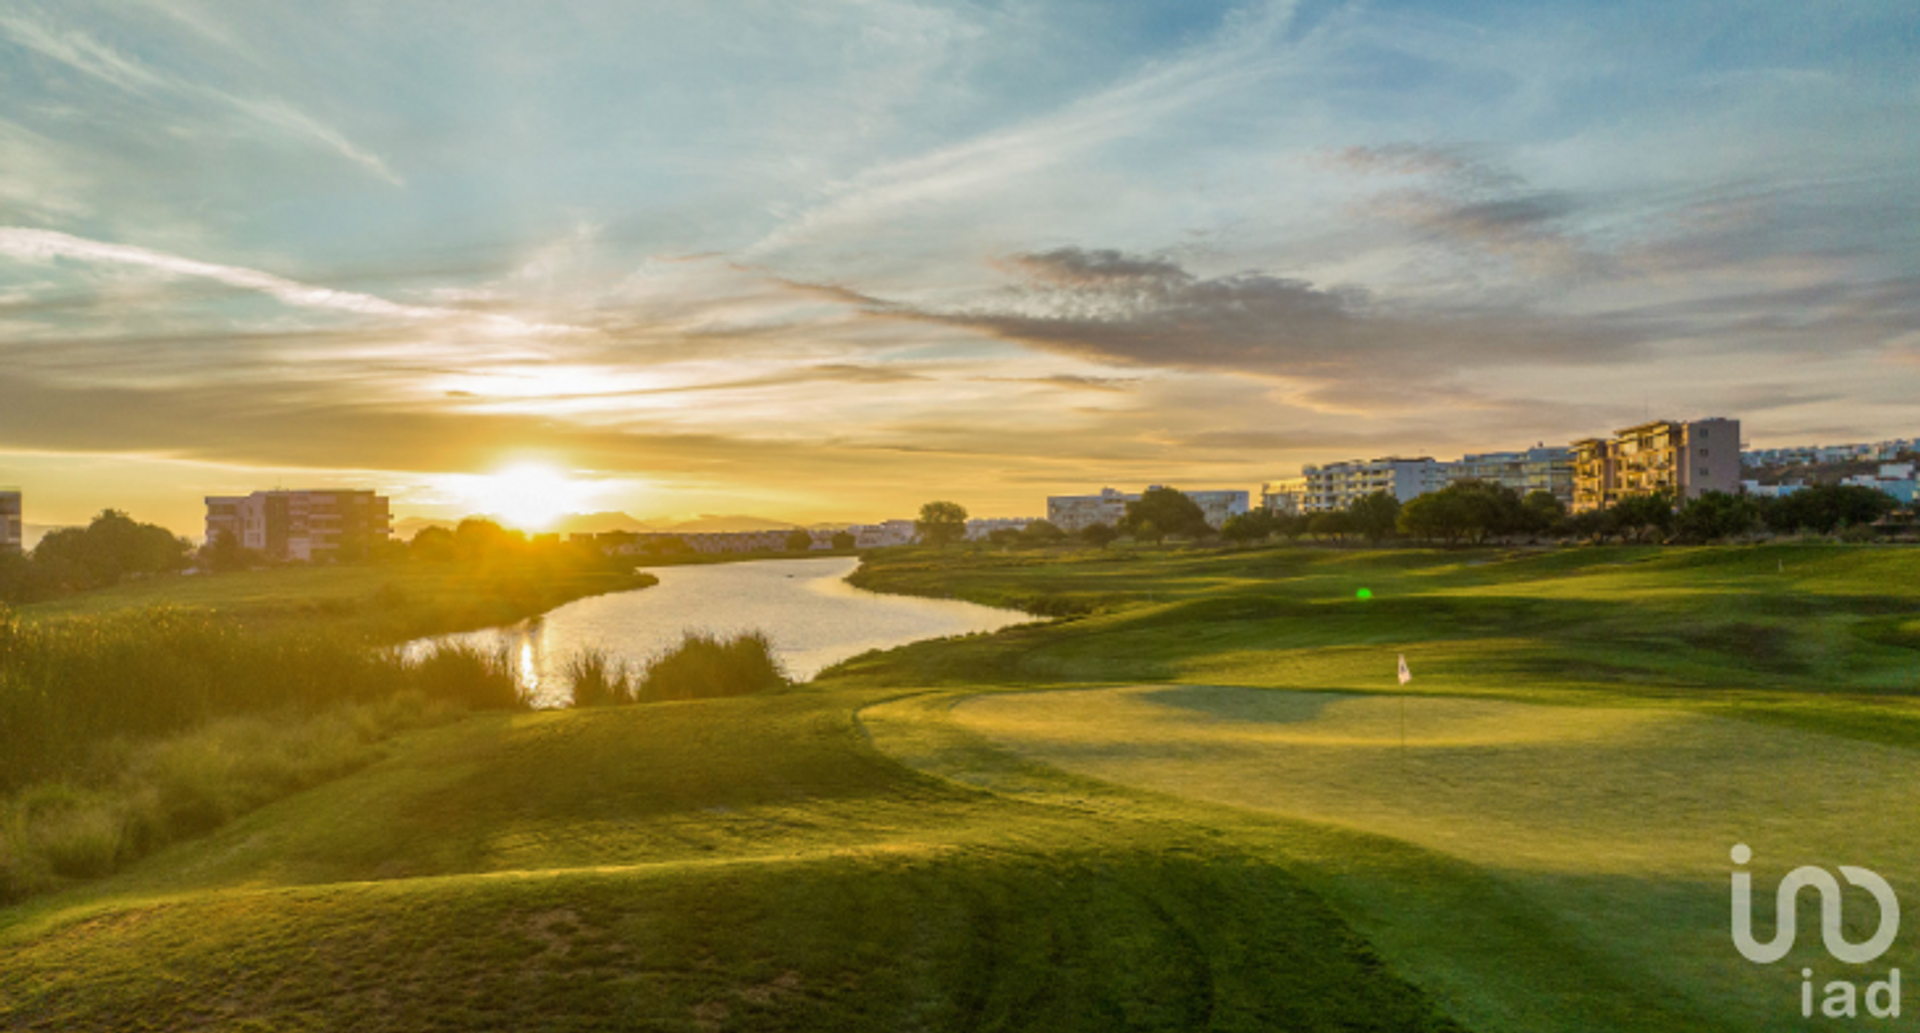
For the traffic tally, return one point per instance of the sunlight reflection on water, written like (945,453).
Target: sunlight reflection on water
(805,606)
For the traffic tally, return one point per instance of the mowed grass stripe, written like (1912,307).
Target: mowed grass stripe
(736,864)
(1616,823)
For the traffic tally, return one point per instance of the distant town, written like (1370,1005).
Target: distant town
(1686,459)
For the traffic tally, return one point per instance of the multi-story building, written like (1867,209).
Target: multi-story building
(1335,486)
(982,528)
(1896,479)
(1685,458)
(302,525)
(1074,512)
(1284,496)
(12,533)
(1541,468)
(1220,503)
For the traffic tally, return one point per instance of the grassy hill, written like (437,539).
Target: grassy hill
(736,864)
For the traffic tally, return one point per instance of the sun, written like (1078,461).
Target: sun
(528,496)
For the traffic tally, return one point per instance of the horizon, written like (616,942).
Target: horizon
(848,259)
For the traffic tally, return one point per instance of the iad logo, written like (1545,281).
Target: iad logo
(1842,998)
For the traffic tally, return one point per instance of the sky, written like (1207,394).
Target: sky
(828,261)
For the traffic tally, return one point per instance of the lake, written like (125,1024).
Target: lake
(805,606)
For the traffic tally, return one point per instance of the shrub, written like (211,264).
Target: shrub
(704,666)
(599,680)
(470,676)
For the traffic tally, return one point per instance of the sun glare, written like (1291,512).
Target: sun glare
(528,496)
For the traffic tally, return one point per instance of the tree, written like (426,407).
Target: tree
(1595,525)
(941,522)
(1375,515)
(1004,535)
(113,547)
(1715,515)
(1336,524)
(1444,515)
(225,553)
(1042,532)
(1252,526)
(798,540)
(1542,513)
(844,540)
(1645,516)
(1098,535)
(1821,508)
(434,544)
(1169,512)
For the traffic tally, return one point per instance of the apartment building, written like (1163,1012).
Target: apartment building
(12,531)
(1286,496)
(1540,468)
(1335,486)
(1072,513)
(1686,458)
(302,525)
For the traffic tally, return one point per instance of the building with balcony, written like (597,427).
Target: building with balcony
(1685,458)
(1286,496)
(12,530)
(1335,486)
(1072,513)
(308,526)
(1540,468)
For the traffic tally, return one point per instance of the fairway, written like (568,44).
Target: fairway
(1614,822)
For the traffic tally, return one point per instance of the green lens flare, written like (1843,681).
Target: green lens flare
(1364,593)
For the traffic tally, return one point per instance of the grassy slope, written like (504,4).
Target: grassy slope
(1825,637)
(384,603)
(1548,869)
(739,864)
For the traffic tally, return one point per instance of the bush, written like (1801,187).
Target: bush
(469,676)
(704,666)
(599,680)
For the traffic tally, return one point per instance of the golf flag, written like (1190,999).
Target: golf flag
(1405,675)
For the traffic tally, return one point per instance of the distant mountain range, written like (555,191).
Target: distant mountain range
(596,523)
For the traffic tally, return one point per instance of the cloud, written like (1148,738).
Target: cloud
(45,245)
(1132,310)
(84,54)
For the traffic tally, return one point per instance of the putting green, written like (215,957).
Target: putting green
(1613,826)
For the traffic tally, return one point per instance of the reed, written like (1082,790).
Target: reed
(705,666)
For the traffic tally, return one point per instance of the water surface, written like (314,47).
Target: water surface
(805,606)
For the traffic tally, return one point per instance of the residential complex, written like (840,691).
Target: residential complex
(1338,485)
(302,525)
(1287,496)
(1685,458)
(12,533)
(1540,468)
(1807,455)
(1077,512)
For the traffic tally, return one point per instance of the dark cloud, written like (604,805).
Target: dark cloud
(1111,307)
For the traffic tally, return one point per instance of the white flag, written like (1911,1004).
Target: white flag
(1405,675)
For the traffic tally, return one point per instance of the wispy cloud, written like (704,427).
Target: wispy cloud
(86,55)
(45,245)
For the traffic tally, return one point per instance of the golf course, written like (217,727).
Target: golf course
(1197,798)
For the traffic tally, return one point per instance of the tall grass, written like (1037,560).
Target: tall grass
(169,789)
(69,688)
(598,679)
(704,666)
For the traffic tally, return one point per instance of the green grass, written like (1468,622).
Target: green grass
(382,604)
(935,837)
(741,863)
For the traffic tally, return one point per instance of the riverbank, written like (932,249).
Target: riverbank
(383,605)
